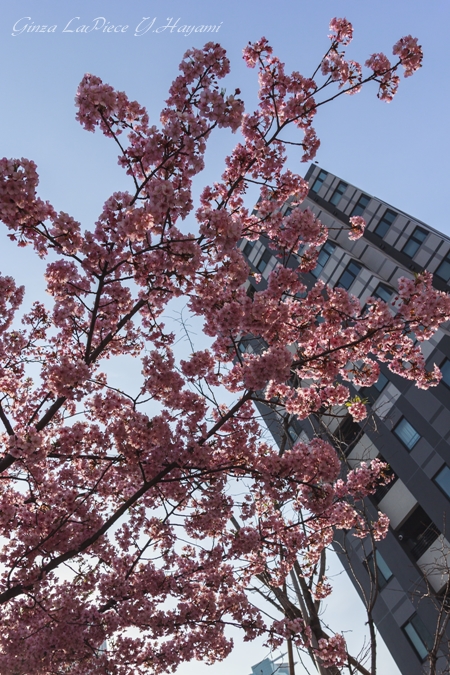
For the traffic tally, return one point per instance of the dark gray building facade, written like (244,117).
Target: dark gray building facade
(408,428)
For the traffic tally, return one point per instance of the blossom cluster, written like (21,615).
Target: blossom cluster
(97,482)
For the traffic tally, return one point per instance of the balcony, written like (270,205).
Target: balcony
(417,533)
(434,561)
(398,503)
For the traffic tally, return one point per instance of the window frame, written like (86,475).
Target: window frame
(445,364)
(383,287)
(384,225)
(347,270)
(265,258)
(319,181)
(441,487)
(291,433)
(402,440)
(339,192)
(417,624)
(375,556)
(412,238)
(323,249)
(381,375)
(444,261)
(359,208)
(348,434)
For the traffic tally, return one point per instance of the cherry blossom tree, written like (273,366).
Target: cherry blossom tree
(121,513)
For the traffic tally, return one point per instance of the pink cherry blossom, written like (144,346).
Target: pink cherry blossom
(119,514)
(357,226)
(410,54)
(342,31)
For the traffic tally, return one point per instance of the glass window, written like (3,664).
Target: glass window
(442,478)
(406,433)
(414,242)
(381,382)
(247,249)
(348,434)
(417,533)
(337,194)
(349,275)
(360,205)
(385,223)
(384,573)
(419,636)
(325,254)
(443,270)
(383,292)
(262,264)
(445,370)
(373,391)
(292,433)
(319,181)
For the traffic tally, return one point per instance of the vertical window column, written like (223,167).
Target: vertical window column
(385,223)
(349,275)
(337,194)
(414,242)
(360,205)
(319,181)
(325,254)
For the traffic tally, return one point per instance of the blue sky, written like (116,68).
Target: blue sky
(399,151)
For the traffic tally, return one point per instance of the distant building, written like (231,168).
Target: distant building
(269,667)
(412,430)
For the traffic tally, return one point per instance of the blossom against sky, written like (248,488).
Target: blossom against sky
(388,150)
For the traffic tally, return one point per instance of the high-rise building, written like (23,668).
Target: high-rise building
(409,428)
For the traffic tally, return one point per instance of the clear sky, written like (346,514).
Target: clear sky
(398,151)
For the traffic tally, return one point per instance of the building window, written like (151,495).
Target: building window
(373,391)
(360,205)
(414,242)
(383,292)
(419,636)
(406,433)
(348,434)
(337,194)
(319,181)
(349,275)
(443,271)
(445,370)
(292,433)
(325,254)
(384,574)
(242,347)
(381,382)
(385,223)
(417,533)
(442,478)
(262,264)
(248,249)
